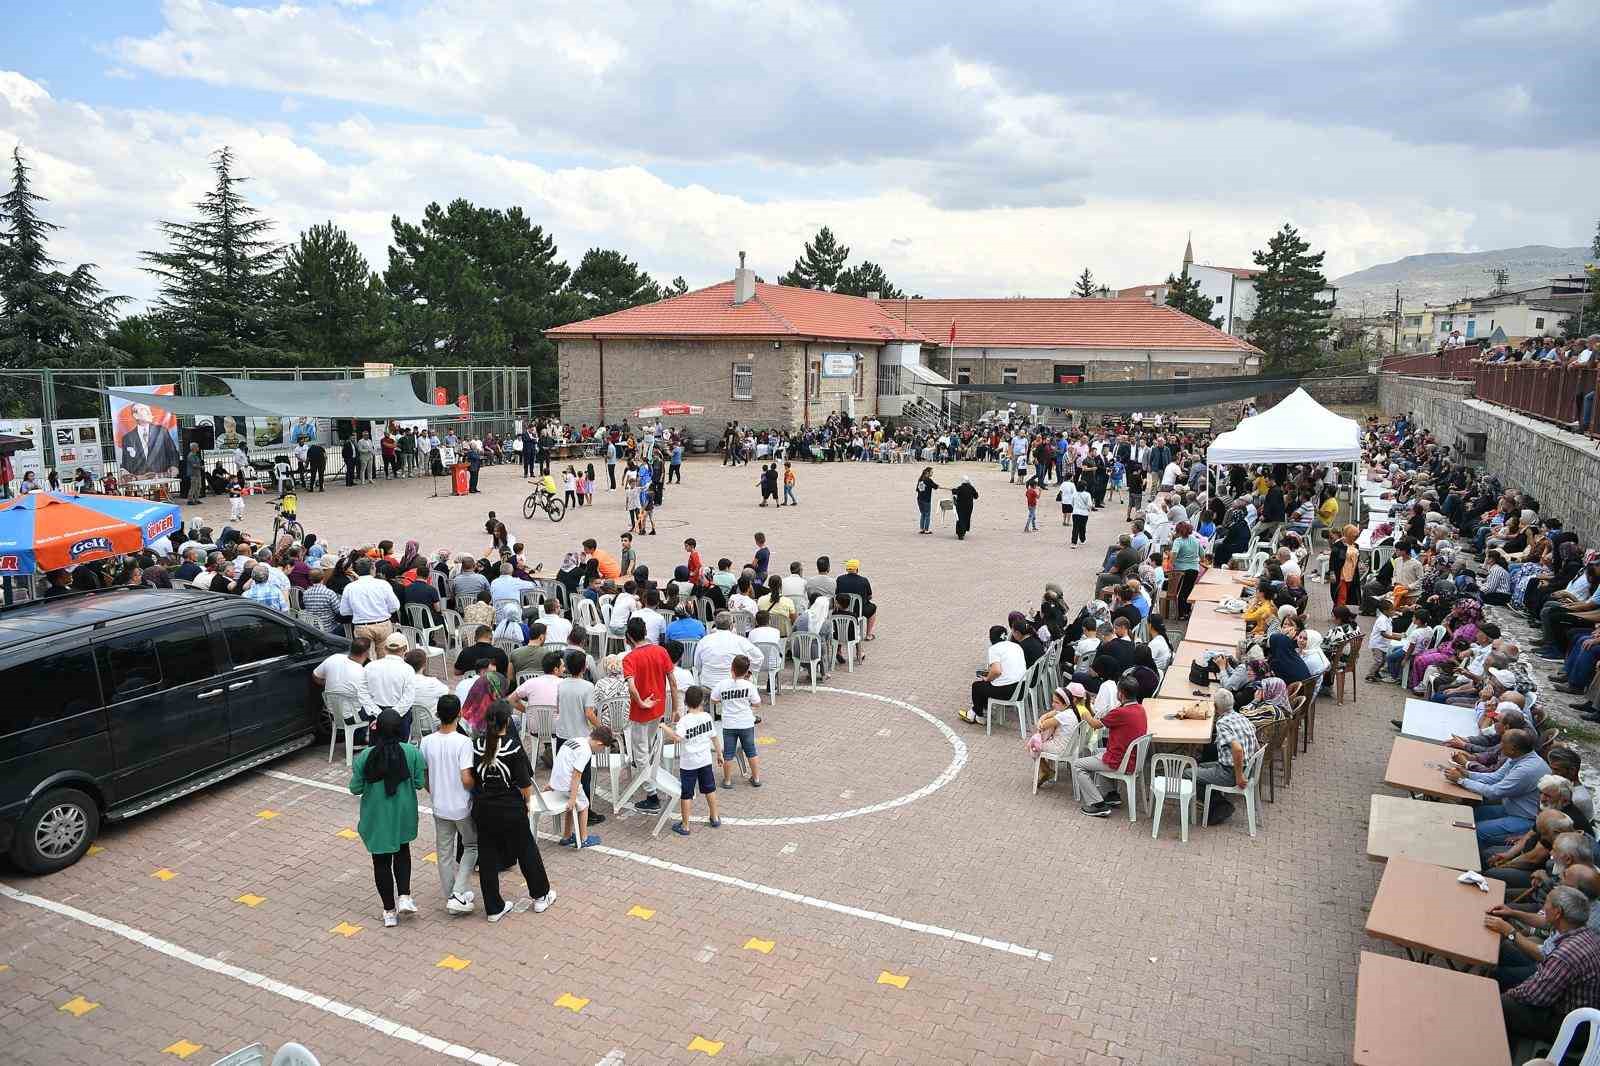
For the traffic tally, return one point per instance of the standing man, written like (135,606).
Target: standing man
(474,464)
(194,471)
(317,467)
(965,495)
(648,669)
(368,602)
(366,455)
(350,455)
(611,464)
(675,470)
(448,753)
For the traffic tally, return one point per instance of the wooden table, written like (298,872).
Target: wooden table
(1213,628)
(1415,765)
(1418,829)
(1176,686)
(1437,722)
(1425,910)
(1413,1015)
(1164,730)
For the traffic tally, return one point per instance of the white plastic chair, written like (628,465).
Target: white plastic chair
(420,619)
(343,715)
(548,803)
(1172,777)
(1018,703)
(1131,778)
(1250,791)
(807,649)
(540,720)
(292,1054)
(771,666)
(847,634)
(1569,1030)
(743,622)
(423,720)
(1077,745)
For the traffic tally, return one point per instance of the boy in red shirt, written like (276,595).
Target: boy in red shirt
(648,669)
(695,565)
(1031,494)
(1127,723)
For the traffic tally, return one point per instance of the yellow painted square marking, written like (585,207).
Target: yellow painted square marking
(710,1047)
(572,1002)
(896,979)
(267,814)
(763,946)
(345,929)
(4,966)
(163,874)
(94,849)
(644,913)
(764,741)
(250,899)
(349,834)
(181,1048)
(77,1006)
(450,962)
(432,856)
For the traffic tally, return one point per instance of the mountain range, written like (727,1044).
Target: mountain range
(1438,277)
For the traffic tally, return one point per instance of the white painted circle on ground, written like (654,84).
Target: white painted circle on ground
(958,759)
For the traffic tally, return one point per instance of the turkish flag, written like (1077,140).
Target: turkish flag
(952,339)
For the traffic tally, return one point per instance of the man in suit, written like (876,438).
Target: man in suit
(347,452)
(194,473)
(148,448)
(317,464)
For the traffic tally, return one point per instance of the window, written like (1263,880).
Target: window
(1538,323)
(861,377)
(139,663)
(1180,381)
(1219,300)
(744,381)
(129,664)
(814,380)
(184,651)
(963,375)
(1008,375)
(1069,373)
(252,639)
(42,691)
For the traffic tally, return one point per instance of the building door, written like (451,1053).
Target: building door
(1068,374)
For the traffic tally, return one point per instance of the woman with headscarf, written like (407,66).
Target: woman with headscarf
(966,494)
(386,776)
(410,557)
(1344,568)
(502,783)
(1271,702)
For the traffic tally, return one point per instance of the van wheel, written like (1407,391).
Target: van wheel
(56,831)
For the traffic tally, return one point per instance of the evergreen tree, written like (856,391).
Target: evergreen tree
(138,342)
(1085,286)
(819,267)
(477,284)
(676,287)
(332,308)
(608,281)
(48,318)
(866,278)
(1594,246)
(1291,317)
(1183,292)
(218,278)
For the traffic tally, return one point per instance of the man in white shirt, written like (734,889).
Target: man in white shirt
(1170,475)
(391,681)
(794,582)
(623,604)
(540,689)
(448,753)
(1003,677)
(1287,562)
(344,674)
(714,655)
(426,689)
(556,628)
(368,602)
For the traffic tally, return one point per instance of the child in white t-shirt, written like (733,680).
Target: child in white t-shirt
(695,734)
(566,780)
(738,697)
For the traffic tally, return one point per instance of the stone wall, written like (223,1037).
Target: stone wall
(1560,468)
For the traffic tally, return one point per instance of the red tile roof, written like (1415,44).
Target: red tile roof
(776,311)
(1141,290)
(1238,272)
(1133,322)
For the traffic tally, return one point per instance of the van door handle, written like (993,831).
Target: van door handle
(241,684)
(208,695)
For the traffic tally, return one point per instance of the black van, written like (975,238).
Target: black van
(115,702)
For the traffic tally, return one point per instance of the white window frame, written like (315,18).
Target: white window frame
(746,369)
(963,375)
(1010,375)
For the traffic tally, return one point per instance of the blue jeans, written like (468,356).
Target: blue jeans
(1393,659)
(788,495)
(924,515)
(1495,825)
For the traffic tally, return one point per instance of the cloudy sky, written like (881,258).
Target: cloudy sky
(972,149)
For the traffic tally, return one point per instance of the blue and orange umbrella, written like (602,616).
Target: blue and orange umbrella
(49,530)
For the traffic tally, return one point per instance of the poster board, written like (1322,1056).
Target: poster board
(76,443)
(146,434)
(838,364)
(26,459)
(267,432)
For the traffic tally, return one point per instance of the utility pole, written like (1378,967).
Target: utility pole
(1396,347)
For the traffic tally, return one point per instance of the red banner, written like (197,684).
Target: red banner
(463,403)
(460,480)
(440,396)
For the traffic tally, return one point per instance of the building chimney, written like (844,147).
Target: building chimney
(744,283)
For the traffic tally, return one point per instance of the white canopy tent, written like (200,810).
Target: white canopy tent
(1297,430)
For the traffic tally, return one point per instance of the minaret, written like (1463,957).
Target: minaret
(1188,253)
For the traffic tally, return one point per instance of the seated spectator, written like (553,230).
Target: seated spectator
(1235,739)
(851,583)
(1517,862)
(1023,636)
(1068,707)
(1510,792)
(1002,678)
(1565,761)
(1125,724)
(1567,975)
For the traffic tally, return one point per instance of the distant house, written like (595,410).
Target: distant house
(1535,312)
(1231,290)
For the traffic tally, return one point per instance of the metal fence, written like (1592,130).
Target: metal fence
(1453,363)
(1542,390)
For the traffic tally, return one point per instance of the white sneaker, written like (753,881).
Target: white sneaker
(505,910)
(405,905)
(470,896)
(390,919)
(542,904)
(457,905)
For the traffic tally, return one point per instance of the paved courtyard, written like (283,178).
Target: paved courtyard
(895,895)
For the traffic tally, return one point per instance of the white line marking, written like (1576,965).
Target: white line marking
(739,882)
(613,1057)
(256,980)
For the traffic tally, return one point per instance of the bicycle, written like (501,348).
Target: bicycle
(283,519)
(541,499)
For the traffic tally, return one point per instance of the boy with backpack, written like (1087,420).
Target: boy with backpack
(695,734)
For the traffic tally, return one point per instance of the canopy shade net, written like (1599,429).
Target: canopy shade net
(370,398)
(1298,430)
(1136,395)
(189,406)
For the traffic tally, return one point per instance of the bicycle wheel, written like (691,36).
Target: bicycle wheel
(295,530)
(556,508)
(530,506)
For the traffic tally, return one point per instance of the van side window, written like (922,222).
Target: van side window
(167,657)
(252,639)
(48,690)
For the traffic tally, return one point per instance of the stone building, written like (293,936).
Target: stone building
(771,355)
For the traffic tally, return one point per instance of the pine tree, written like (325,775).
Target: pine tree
(676,287)
(1291,317)
(819,267)
(1594,246)
(1183,292)
(1085,286)
(332,308)
(47,318)
(218,278)
(866,278)
(608,281)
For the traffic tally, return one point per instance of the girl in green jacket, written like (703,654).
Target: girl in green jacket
(386,776)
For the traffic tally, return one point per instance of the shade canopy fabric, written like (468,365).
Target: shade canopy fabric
(190,406)
(1298,430)
(669,409)
(383,397)
(49,530)
(1139,395)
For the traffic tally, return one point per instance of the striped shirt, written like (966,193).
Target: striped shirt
(1568,977)
(322,604)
